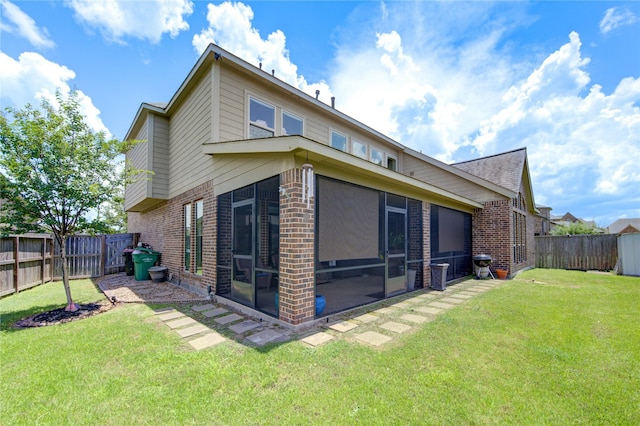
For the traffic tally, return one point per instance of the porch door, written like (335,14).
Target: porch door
(396,243)
(243,235)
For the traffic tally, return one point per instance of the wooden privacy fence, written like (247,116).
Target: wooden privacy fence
(581,252)
(31,259)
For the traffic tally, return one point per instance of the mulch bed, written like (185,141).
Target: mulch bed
(60,316)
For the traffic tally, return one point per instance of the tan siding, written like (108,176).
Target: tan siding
(235,172)
(234,90)
(160,178)
(448,181)
(138,158)
(190,127)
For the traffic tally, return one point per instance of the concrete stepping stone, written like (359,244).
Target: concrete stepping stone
(442,305)
(206,341)
(429,295)
(163,311)
(181,322)
(418,319)
(366,318)
(215,312)
(396,327)
(264,337)
(244,326)
(343,326)
(171,315)
(385,311)
(318,339)
(453,300)
(428,310)
(412,300)
(461,296)
(228,319)
(402,305)
(477,290)
(200,308)
(373,338)
(194,329)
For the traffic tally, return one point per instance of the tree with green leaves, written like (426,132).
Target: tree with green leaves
(56,171)
(577,228)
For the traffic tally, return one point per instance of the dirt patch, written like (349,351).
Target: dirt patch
(60,316)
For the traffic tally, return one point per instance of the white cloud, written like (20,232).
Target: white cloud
(145,20)
(616,17)
(23,25)
(32,78)
(230,27)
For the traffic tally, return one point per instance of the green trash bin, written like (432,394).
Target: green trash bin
(143,259)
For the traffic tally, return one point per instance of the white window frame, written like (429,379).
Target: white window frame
(294,116)
(355,142)
(382,155)
(346,140)
(257,124)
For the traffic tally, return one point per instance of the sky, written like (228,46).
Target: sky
(456,80)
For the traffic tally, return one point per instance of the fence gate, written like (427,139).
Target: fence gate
(114,245)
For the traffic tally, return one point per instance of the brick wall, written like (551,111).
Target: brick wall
(492,233)
(162,228)
(297,253)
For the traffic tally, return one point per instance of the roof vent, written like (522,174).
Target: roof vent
(333,102)
(317,93)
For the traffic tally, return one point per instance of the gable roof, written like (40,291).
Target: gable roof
(503,169)
(509,170)
(622,224)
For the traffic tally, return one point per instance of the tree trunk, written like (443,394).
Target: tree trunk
(71,307)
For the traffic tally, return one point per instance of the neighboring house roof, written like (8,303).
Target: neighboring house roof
(623,226)
(507,170)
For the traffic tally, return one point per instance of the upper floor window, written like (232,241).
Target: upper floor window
(392,163)
(262,119)
(291,125)
(359,149)
(338,141)
(377,156)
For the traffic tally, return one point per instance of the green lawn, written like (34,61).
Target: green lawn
(549,347)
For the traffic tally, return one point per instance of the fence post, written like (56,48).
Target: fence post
(103,257)
(16,268)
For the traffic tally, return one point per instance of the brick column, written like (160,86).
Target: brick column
(493,232)
(297,253)
(426,244)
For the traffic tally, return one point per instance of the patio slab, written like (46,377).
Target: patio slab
(228,319)
(367,318)
(181,322)
(461,296)
(441,305)
(215,312)
(429,295)
(396,327)
(453,300)
(206,341)
(428,310)
(402,305)
(171,315)
(343,326)
(200,308)
(318,339)
(373,338)
(385,311)
(244,326)
(264,337)
(417,319)
(193,330)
